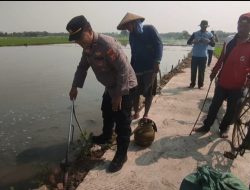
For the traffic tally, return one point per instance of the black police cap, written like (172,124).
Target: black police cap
(75,27)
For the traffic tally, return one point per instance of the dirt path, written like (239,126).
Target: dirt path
(174,154)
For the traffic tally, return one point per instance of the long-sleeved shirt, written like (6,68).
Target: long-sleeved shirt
(200,49)
(146,49)
(110,65)
(233,64)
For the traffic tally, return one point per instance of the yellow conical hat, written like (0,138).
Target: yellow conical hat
(128,18)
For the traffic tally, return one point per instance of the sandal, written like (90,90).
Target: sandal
(230,155)
(224,134)
(203,129)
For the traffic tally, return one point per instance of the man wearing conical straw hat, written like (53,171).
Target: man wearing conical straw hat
(146,54)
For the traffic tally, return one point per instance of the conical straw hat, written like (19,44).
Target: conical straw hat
(128,18)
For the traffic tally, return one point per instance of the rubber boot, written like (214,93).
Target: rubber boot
(120,157)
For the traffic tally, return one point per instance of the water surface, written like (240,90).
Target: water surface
(35,107)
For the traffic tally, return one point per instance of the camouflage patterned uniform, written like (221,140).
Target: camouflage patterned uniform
(113,70)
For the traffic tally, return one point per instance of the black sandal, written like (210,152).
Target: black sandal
(203,129)
(224,134)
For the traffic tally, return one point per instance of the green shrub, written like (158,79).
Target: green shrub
(217,51)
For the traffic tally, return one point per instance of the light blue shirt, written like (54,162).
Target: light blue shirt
(200,49)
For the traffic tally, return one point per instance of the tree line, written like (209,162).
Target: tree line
(31,34)
(184,35)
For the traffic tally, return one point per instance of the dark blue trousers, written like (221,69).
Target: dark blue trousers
(232,97)
(198,63)
(210,55)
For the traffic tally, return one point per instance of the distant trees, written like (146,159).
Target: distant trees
(3,34)
(124,33)
(176,35)
(222,35)
(30,34)
(184,35)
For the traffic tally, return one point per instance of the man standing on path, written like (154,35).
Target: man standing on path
(234,69)
(200,39)
(210,49)
(146,53)
(112,69)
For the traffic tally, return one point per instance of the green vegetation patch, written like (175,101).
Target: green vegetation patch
(24,41)
(217,51)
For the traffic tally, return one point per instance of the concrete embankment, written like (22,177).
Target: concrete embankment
(174,154)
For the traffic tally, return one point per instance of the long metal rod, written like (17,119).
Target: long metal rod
(70,138)
(201,108)
(74,114)
(160,75)
(70,131)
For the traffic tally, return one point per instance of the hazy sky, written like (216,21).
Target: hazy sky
(105,16)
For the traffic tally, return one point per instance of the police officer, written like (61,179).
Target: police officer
(112,69)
